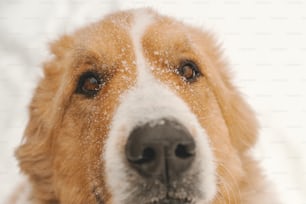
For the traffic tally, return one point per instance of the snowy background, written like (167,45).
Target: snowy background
(264,41)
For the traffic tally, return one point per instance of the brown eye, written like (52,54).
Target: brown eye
(89,84)
(189,71)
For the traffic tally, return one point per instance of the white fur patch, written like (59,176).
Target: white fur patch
(150,100)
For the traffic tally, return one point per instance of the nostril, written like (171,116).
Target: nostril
(184,151)
(148,155)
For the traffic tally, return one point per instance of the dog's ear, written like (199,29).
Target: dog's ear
(59,48)
(239,117)
(45,111)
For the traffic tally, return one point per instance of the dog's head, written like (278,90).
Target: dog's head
(137,108)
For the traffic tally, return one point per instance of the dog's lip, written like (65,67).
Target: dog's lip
(171,200)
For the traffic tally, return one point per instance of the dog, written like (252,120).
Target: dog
(139,108)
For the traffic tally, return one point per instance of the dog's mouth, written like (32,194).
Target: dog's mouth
(171,196)
(167,199)
(170,200)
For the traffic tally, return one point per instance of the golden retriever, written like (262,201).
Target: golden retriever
(139,109)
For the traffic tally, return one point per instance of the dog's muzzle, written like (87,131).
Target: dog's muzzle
(162,150)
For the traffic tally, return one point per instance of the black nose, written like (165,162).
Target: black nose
(160,150)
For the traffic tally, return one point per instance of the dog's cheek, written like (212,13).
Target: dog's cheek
(76,163)
(69,170)
(229,169)
(80,145)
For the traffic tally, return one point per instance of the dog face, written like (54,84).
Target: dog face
(137,108)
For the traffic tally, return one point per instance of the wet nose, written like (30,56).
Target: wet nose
(162,150)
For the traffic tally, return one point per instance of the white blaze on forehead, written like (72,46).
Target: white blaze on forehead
(150,100)
(144,19)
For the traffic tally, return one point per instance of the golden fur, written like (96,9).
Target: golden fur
(65,135)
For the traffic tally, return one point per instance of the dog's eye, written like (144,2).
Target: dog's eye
(89,84)
(189,71)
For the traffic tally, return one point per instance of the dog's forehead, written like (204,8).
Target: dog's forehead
(106,41)
(159,36)
(114,39)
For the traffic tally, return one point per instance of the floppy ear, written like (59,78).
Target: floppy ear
(34,154)
(239,117)
(59,48)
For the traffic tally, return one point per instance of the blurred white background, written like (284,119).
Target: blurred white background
(263,40)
